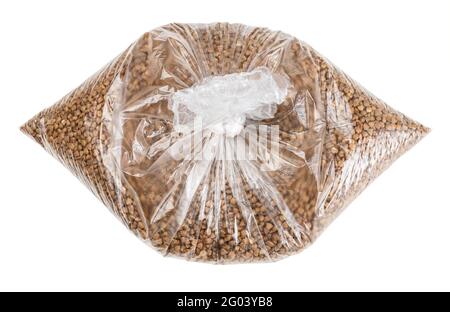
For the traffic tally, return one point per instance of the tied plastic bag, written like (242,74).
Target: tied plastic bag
(224,142)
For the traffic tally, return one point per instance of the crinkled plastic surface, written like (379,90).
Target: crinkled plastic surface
(224,142)
(224,103)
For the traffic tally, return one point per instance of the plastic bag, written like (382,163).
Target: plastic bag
(223,142)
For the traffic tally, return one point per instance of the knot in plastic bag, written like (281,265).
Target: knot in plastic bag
(222,104)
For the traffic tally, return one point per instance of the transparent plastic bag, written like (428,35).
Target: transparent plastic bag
(224,142)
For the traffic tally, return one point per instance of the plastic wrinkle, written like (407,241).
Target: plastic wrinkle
(223,103)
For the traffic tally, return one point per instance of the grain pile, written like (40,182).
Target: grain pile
(113,132)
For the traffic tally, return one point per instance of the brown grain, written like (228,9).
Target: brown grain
(345,127)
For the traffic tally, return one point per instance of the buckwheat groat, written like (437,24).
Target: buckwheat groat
(129,133)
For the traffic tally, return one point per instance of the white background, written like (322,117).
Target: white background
(55,235)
